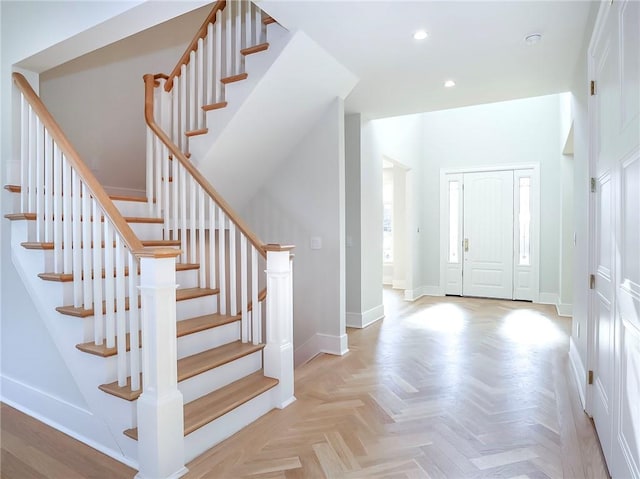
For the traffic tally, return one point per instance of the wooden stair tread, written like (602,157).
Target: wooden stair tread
(192,366)
(215,106)
(210,407)
(67,277)
(20,216)
(181,295)
(141,199)
(201,131)
(150,243)
(202,323)
(268,20)
(254,49)
(234,78)
(184,328)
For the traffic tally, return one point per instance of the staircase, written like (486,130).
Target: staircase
(167,372)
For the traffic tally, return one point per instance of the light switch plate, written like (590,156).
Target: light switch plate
(316,242)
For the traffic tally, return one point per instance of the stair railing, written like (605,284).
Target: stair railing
(214,57)
(92,241)
(211,233)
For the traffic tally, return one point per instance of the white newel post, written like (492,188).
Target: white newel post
(278,353)
(160,406)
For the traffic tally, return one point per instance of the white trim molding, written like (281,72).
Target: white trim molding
(420,291)
(321,343)
(579,371)
(362,320)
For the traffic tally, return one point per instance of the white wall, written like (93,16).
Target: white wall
(302,200)
(98,99)
(353,251)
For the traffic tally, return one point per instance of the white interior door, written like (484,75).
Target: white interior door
(488,234)
(615,358)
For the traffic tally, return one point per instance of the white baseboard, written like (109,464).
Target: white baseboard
(117,190)
(563,309)
(59,414)
(362,320)
(320,343)
(579,371)
(387,281)
(399,284)
(425,290)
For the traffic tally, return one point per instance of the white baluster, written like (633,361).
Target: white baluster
(48,187)
(211,267)
(256,317)
(150,162)
(183,215)
(210,69)
(200,98)
(121,314)
(248,22)
(98,316)
(166,205)
(183,108)
(228,41)
(193,92)
(257,24)
(244,282)
(32,159)
(57,210)
(109,291)
(87,290)
(175,203)
(40,187)
(239,58)
(157,166)
(65,216)
(192,220)
(24,155)
(222,253)
(134,322)
(233,266)
(201,240)
(175,111)
(218,73)
(76,201)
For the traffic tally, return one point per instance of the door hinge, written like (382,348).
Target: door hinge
(592,281)
(590,377)
(593,185)
(593,87)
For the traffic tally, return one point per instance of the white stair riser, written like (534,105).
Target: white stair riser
(217,431)
(147,231)
(133,208)
(214,379)
(211,338)
(196,307)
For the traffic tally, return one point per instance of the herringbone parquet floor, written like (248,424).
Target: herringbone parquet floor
(442,388)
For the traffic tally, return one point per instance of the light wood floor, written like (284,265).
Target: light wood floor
(442,388)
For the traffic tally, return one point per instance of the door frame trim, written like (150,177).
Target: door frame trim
(444,222)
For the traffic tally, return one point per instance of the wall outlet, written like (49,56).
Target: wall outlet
(349,241)
(316,242)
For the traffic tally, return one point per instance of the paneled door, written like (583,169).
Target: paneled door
(615,305)
(488,234)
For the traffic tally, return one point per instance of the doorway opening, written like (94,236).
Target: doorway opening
(395,250)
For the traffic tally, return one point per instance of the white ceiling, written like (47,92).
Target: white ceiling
(479,44)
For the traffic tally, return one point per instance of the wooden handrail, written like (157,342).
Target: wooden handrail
(193,46)
(149,84)
(82,170)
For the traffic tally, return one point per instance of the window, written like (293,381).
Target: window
(387,216)
(454,221)
(524,221)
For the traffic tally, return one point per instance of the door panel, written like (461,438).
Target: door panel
(615,115)
(488,233)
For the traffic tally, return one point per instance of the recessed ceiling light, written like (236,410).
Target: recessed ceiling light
(420,35)
(449,84)
(533,38)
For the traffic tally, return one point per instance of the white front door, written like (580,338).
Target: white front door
(488,234)
(615,306)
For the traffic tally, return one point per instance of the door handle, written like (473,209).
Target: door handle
(466,245)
